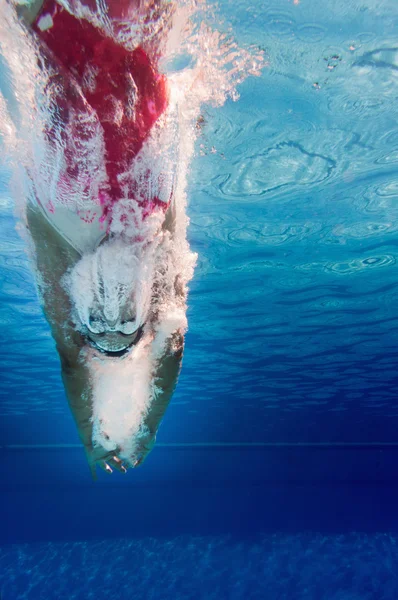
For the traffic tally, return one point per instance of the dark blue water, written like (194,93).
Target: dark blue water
(276,566)
(275,475)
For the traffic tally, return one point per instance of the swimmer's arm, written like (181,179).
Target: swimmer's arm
(54,256)
(77,382)
(76,378)
(165,380)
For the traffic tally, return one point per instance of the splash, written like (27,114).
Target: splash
(126,247)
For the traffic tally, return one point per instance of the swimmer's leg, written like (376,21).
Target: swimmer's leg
(165,379)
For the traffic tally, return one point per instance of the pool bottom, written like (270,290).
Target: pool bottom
(278,566)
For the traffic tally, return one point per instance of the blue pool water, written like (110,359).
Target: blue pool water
(279,566)
(275,473)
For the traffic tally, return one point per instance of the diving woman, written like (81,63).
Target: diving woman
(103,218)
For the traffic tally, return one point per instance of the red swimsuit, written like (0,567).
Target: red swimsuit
(122,87)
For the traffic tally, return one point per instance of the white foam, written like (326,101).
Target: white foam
(117,277)
(122,393)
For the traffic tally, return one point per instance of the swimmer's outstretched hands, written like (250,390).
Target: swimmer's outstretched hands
(109,460)
(106,460)
(113,462)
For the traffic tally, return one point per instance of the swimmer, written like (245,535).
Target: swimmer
(103,223)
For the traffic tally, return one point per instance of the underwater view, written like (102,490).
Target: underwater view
(199,291)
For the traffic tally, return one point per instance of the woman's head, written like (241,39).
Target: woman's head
(111,292)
